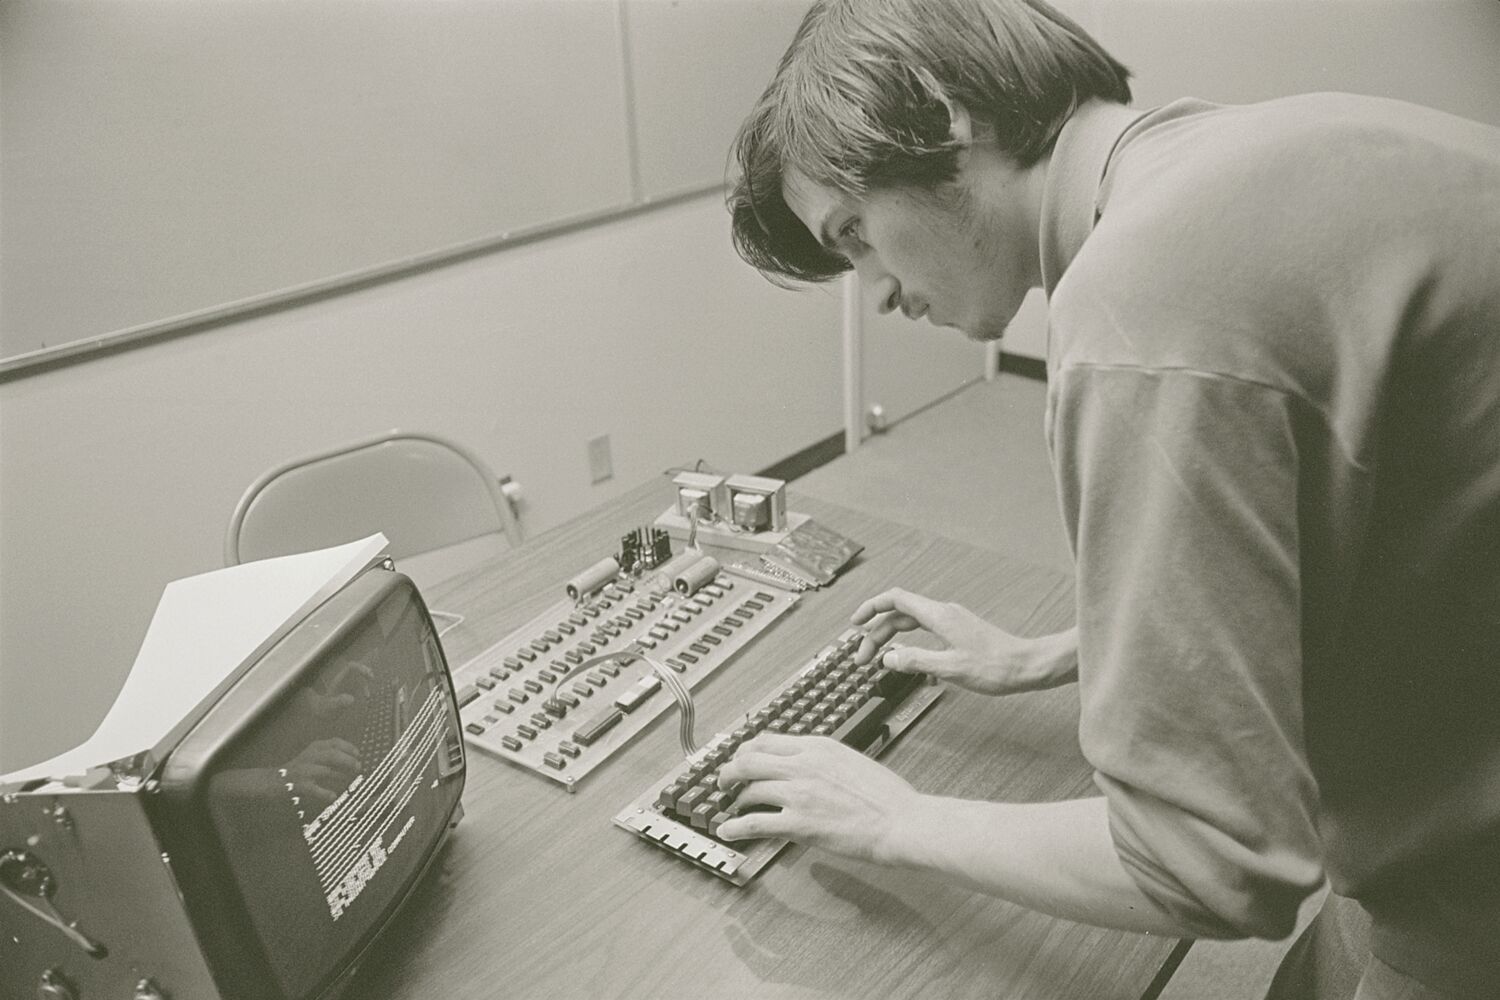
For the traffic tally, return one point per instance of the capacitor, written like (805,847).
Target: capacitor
(673,567)
(704,571)
(593,578)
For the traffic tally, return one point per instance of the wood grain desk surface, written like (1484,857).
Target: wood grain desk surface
(539,895)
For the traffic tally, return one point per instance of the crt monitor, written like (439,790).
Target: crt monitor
(259,850)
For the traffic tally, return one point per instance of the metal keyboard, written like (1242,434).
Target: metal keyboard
(864,707)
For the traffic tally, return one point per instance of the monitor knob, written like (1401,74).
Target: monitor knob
(55,986)
(148,990)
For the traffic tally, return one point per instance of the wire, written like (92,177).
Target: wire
(669,680)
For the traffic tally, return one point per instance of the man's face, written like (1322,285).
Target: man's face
(962,256)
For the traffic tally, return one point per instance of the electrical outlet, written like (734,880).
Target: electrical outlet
(601,467)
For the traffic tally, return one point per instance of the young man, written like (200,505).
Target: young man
(1274,417)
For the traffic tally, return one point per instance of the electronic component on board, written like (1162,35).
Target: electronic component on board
(696,575)
(739,512)
(700,495)
(644,549)
(564,692)
(814,553)
(594,578)
(757,503)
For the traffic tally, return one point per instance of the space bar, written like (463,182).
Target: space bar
(866,725)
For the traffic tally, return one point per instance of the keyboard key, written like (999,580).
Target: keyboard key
(688,800)
(667,797)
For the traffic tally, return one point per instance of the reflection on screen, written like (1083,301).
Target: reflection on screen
(328,805)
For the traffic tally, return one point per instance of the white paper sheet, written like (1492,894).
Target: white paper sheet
(204,627)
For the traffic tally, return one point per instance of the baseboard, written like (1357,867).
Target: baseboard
(822,452)
(1015,364)
(812,457)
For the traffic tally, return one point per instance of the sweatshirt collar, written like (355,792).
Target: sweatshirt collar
(1071,199)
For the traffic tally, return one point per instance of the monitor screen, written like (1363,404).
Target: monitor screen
(314,792)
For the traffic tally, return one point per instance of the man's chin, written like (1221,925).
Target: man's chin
(983,335)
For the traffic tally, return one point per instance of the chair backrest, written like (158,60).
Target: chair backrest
(422,491)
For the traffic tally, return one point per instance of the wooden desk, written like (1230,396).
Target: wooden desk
(538,895)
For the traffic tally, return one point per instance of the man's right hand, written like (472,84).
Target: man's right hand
(980,656)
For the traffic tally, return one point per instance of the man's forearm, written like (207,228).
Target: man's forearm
(1056,857)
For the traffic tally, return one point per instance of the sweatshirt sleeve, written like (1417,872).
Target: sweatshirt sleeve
(1180,490)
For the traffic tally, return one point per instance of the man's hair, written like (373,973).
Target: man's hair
(861,101)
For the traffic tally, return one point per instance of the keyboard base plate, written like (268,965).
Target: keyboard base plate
(644,818)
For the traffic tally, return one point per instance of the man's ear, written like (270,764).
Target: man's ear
(960,125)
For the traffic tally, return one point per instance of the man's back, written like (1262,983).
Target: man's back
(1292,311)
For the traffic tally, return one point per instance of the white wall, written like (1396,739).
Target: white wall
(119,474)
